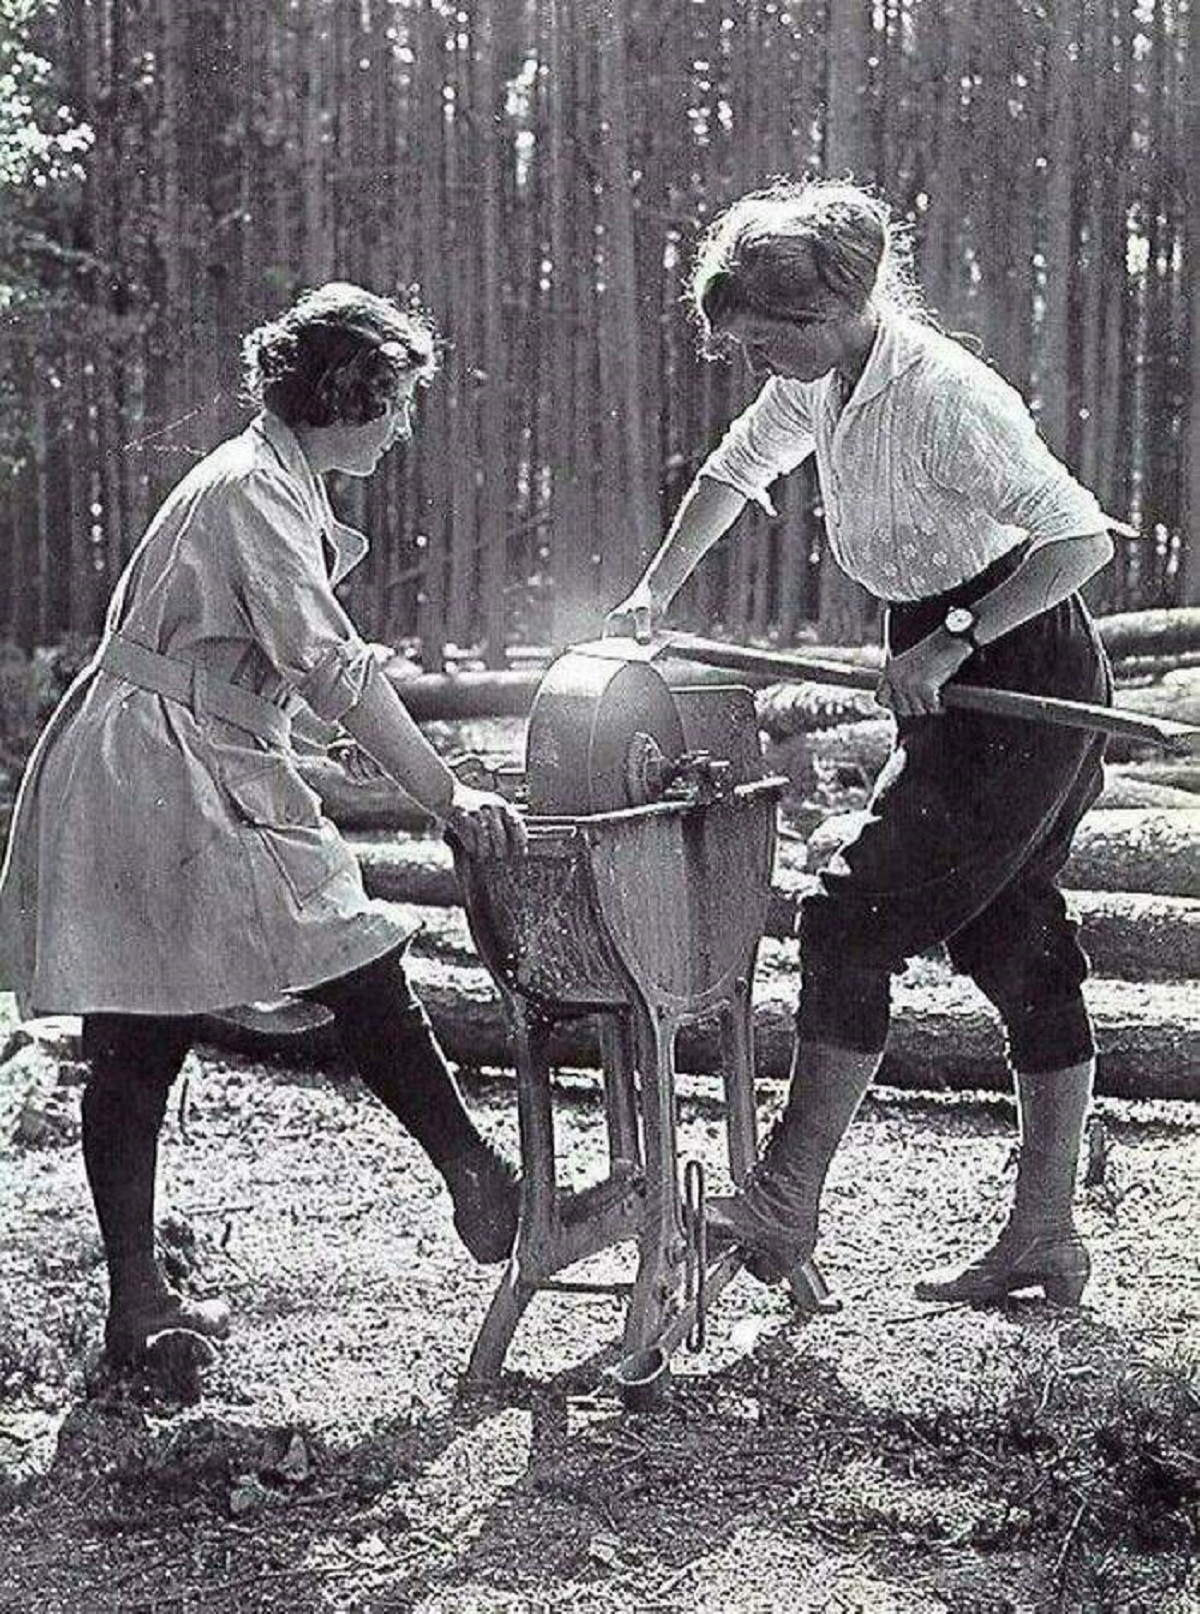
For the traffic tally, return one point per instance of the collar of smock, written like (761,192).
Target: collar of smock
(347,544)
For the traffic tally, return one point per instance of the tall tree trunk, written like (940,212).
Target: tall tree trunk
(1056,380)
(560,324)
(317,250)
(493,396)
(845,608)
(1189,568)
(436,471)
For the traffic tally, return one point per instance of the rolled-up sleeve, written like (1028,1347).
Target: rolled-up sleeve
(767,440)
(283,586)
(985,446)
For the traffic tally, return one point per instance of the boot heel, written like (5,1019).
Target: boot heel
(767,1266)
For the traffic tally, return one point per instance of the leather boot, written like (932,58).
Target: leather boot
(773,1216)
(136,1313)
(1039,1246)
(486,1192)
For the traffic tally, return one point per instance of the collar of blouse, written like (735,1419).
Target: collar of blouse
(896,348)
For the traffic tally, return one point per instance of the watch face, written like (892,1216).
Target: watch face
(959,619)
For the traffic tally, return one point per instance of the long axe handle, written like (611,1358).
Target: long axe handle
(1180,739)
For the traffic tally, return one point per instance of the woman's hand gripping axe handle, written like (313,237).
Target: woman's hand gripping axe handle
(771,666)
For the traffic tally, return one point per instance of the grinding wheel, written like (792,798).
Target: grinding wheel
(595,720)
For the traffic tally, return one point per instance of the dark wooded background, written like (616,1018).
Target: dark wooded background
(541,168)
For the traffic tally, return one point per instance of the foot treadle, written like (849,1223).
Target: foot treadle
(810,1293)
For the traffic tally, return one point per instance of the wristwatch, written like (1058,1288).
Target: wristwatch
(960,622)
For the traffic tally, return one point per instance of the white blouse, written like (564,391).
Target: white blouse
(931,470)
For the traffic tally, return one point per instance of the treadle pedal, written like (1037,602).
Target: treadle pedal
(810,1293)
(619,1287)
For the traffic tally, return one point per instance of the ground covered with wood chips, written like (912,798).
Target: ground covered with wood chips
(895,1457)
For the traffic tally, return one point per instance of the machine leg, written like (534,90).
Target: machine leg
(657,1289)
(535,1119)
(538,1224)
(737,1046)
(499,1326)
(620,1099)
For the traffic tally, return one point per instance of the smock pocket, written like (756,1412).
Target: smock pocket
(274,804)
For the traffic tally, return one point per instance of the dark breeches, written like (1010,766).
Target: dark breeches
(970,823)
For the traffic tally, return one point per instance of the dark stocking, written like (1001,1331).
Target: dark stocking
(386,1033)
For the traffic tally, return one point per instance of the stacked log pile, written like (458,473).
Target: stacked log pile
(1133,882)
(1143,938)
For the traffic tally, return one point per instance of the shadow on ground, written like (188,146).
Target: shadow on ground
(766,1485)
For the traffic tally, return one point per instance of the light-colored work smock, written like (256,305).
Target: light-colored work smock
(164,859)
(929,472)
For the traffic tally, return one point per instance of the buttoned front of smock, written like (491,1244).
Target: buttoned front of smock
(929,472)
(163,859)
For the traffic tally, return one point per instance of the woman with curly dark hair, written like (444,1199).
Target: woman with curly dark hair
(943,501)
(166,858)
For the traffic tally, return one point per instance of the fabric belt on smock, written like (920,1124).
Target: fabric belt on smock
(193,687)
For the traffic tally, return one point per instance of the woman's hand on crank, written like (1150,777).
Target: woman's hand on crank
(911,685)
(636,614)
(485,824)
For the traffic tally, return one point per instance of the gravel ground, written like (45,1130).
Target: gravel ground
(892,1457)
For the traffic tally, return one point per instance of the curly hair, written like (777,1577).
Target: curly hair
(801,247)
(337,356)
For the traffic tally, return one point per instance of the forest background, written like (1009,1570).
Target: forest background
(172,172)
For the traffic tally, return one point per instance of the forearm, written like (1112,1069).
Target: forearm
(382,726)
(912,680)
(708,510)
(1042,580)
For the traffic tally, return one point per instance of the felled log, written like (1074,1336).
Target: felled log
(468,694)
(786,709)
(1175,696)
(1115,849)
(1128,935)
(1118,849)
(1181,775)
(1147,669)
(944,1037)
(1144,633)
(1126,790)
(1137,935)
(412,871)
